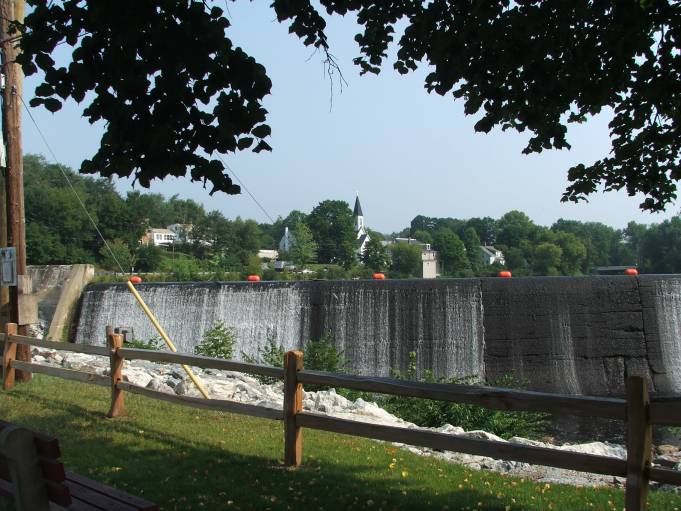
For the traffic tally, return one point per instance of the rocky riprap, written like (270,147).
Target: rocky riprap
(242,388)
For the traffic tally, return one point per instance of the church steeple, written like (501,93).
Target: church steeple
(359,216)
(358,207)
(362,234)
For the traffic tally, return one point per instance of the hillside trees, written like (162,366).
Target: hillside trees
(661,247)
(406,260)
(601,241)
(333,229)
(422,236)
(573,254)
(633,236)
(486,229)
(451,252)
(471,242)
(58,230)
(583,246)
(147,210)
(229,244)
(174,91)
(246,241)
(376,257)
(514,227)
(547,258)
(117,256)
(149,258)
(304,250)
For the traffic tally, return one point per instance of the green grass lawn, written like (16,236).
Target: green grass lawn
(188,459)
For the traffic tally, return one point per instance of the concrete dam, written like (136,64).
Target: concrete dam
(577,335)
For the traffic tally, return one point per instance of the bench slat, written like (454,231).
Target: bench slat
(96,499)
(79,505)
(77,480)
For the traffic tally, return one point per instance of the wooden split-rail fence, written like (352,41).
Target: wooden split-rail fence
(640,410)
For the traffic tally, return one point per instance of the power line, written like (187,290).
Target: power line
(245,188)
(66,177)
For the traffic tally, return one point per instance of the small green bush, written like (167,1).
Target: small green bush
(272,355)
(154,343)
(433,414)
(321,355)
(218,342)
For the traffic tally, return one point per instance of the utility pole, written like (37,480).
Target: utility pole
(13,11)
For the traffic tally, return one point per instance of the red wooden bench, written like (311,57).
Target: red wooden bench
(30,471)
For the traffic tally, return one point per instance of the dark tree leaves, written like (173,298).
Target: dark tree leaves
(167,81)
(534,65)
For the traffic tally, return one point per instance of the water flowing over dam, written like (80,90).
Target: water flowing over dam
(578,335)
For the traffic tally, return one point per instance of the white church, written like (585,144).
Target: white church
(362,234)
(288,239)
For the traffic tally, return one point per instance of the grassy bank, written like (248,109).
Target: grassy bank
(187,459)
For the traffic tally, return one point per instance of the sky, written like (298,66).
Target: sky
(404,151)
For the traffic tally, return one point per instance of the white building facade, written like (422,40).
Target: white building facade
(158,237)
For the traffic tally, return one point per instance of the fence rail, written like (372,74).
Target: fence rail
(488,397)
(59,372)
(219,405)
(490,448)
(201,361)
(639,410)
(51,345)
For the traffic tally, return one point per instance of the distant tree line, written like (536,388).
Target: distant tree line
(568,247)
(59,232)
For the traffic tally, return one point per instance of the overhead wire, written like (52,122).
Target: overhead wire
(73,189)
(230,169)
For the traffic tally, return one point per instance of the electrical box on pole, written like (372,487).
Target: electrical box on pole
(8,266)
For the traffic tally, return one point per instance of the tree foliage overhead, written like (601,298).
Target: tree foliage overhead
(173,89)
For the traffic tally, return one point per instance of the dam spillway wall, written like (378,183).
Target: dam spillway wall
(578,335)
(257,313)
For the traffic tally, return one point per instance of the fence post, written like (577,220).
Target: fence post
(115,342)
(293,403)
(9,354)
(639,443)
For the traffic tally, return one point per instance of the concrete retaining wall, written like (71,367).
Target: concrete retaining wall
(58,289)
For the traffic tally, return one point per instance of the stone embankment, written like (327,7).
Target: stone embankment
(245,389)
